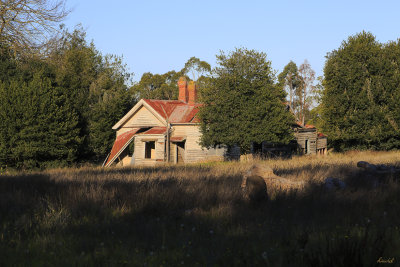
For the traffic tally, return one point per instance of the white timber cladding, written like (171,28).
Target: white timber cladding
(142,118)
(140,147)
(193,150)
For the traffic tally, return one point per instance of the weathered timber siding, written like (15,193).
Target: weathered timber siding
(193,151)
(142,118)
(321,143)
(140,141)
(311,136)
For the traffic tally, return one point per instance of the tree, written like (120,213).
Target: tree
(289,79)
(315,114)
(38,122)
(242,104)
(164,86)
(197,68)
(26,24)
(157,86)
(361,99)
(305,89)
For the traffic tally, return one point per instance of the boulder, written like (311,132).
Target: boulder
(255,189)
(367,166)
(270,181)
(331,183)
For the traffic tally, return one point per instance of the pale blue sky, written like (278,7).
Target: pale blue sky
(159,36)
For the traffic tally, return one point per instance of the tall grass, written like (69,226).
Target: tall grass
(195,215)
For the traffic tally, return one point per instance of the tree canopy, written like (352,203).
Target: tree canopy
(26,24)
(59,110)
(243,104)
(361,100)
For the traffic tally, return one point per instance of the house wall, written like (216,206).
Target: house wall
(193,151)
(141,118)
(311,136)
(322,143)
(139,154)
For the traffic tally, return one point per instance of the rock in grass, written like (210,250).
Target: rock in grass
(256,189)
(367,166)
(262,176)
(334,183)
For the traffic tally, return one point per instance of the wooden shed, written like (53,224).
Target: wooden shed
(309,141)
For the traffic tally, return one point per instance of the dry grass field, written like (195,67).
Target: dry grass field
(196,215)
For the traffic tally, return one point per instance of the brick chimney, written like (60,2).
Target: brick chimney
(192,90)
(183,90)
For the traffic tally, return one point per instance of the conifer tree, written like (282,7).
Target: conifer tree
(360,104)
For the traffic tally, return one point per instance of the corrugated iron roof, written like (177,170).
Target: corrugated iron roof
(309,126)
(121,142)
(156,130)
(177,138)
(177,111)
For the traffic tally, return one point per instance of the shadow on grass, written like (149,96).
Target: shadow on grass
(207,222)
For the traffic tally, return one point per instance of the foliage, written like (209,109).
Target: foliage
(315,115)
(164,86)
(242,104)
(157,86)
(289,79)
(98,86)
(304,90)
(361,100)
(196,67)
(38,123)
(298,82)
(59,110)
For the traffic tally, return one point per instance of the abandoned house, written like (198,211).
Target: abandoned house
(143,139)
(145,126)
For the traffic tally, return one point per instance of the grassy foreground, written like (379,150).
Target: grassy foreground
(196,216)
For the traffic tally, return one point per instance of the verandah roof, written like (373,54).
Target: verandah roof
(121,142)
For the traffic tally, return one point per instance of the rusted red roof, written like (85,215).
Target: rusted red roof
(155,130)
(177,111)
(321,135)
(177,138)
(309,126)
(120,144)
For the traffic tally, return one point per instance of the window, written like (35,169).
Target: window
(150,150)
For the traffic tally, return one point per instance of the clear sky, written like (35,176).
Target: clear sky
(159,36)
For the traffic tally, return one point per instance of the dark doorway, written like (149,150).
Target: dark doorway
(150,150)
(180,152)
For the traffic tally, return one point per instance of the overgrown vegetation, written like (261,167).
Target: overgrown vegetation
(58,110)
(361,100)
(196,216)
(243,104)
